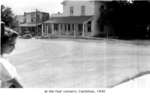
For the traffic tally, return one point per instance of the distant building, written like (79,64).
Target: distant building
(56,14)
(36,17)
(31,22)
(20,19)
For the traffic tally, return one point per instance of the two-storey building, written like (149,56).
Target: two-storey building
(77,19)
(31,22)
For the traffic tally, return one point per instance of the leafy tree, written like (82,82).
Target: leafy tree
(126,20)
(8,17)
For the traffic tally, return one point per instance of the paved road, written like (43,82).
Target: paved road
(79,63)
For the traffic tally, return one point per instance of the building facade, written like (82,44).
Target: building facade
(31,22)
(78,8)
(77,19)
(20,19)
(37,16)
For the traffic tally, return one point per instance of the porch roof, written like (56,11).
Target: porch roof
(69,19)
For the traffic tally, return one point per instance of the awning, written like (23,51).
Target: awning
(69,19)
(29,25)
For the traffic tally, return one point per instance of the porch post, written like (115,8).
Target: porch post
(77,29)
(74,33)
(42,29)
(71,29)
(67,29)
(83,32)
(47,29)
(62,29)
(59,29)
(52,28)
(86,28)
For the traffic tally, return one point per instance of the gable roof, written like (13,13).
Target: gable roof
(69,19)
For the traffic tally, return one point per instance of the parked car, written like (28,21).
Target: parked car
(38,37)
(27,36)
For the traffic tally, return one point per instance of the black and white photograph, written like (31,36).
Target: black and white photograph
(75,44)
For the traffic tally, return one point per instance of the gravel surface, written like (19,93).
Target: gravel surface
(60,63)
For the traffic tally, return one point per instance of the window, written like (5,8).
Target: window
(71,11)
(68,27)
(80,27)
(32,19)
(55,27)
(89,26)
(82,10)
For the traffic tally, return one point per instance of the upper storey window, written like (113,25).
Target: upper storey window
(71,11)
(82,10)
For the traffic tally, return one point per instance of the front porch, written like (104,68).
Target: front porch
(76,26)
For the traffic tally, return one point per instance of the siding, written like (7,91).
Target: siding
(89,7)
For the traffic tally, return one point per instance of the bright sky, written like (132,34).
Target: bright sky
(21,6)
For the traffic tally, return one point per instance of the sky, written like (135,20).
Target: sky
(21,6)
